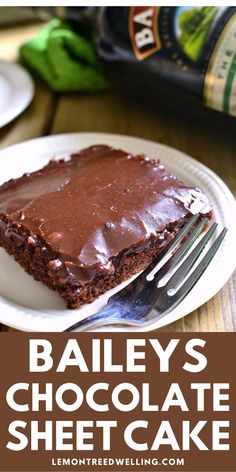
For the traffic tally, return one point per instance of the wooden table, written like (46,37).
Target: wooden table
(209,137)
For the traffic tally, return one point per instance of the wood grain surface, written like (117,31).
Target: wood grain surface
(208,136)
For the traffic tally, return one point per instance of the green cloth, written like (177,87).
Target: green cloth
(66,60)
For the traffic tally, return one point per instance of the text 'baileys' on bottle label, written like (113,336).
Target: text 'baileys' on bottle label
(143,31)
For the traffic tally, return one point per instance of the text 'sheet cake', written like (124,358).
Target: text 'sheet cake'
(84,224)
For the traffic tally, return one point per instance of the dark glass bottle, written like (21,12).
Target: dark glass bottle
(168,54)
(171,52)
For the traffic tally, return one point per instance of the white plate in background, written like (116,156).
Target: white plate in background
(28,305)
(16,91)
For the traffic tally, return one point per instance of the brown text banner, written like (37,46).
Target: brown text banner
(115,401)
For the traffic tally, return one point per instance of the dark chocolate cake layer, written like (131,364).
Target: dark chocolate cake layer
(83,224)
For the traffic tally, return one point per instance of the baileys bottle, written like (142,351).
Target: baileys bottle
(170,51)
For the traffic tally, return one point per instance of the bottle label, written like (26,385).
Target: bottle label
(220,80)
(196,49)
(143,31)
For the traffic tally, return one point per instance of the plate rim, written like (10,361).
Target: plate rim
(10,115)
(101,135)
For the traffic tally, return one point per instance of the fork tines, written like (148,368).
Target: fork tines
(164,283)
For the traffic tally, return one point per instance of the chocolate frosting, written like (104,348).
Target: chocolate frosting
(92,206)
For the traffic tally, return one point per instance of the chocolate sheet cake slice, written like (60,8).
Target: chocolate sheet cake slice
(83,224)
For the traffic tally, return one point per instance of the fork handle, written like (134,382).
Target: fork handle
(103,317)
(83,325)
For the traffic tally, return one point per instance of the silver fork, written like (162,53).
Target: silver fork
(149,297)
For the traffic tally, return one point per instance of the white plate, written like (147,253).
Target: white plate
(16,91)
(29,305)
